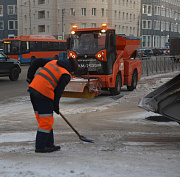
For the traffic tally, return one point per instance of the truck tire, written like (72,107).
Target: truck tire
(14,74)
(133,82)
(117,89)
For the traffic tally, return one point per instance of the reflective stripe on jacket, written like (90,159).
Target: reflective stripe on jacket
(47,79)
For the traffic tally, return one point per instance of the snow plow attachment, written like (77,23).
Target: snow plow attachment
(165,100)
(82,88)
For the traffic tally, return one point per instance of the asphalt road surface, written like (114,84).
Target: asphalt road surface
(129,142)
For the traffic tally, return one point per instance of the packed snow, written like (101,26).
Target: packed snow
(115,152)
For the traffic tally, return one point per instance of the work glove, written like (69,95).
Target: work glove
(29,80)
(56,110)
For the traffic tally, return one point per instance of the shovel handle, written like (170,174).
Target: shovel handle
(69,124)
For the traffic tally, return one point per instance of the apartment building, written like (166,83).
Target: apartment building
(8,19)
(56,17)
(160,20)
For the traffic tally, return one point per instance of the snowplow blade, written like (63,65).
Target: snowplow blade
(165,100)
(82,88)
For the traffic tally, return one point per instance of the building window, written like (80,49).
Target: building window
(72,11)
(12,9)
(122,29)
(93,25)
(134,17)
(167,26)
(126,3)
(41,2)
(179,28)
(146,24)
(123,16)
(25,18)
(25,31)
(34,3)
(83,25)
(163,26)
(12,25)
(156,10)
(11,36)
(126,16)
(163,11)
(41,28)
(123,2)
(134,31)
(115,14)
(134,4)
(131,4)
(83,10)
(41,14)
(147,9)
(102,12)
(127,30)
(130,17)
(156,41)
(156,25)
(1,10)
(16,25)
(34,30)
(93,11)
(1,25)
(130,30)
(172,27)
(47,14)
(167,12)
(176,27)
(146,41)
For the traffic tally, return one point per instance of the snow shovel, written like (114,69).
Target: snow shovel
(90,140)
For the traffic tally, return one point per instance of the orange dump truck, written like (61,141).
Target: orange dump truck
(106,61)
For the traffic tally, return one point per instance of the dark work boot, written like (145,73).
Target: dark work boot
(41,142)
(45,150)
(56,148)
(50,142)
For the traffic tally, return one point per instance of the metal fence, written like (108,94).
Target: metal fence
(159,65)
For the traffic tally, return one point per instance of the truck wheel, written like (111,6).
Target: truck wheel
(117,89)
(133,82)
(14,75)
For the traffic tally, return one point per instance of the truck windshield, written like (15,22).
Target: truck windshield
(88,43)
(12,47)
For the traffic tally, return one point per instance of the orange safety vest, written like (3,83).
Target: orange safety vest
(47,79)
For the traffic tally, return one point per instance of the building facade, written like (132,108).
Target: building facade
(160,20)
(8,19)
(56,17)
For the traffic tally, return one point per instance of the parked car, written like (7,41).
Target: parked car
(9,67)
(148,52)
(156,52)
(141,53)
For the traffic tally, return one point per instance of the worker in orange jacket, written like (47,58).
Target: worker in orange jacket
(45,91)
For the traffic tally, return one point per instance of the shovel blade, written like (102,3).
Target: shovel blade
(90,140)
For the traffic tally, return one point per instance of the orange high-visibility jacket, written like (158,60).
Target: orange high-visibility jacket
(47,79)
